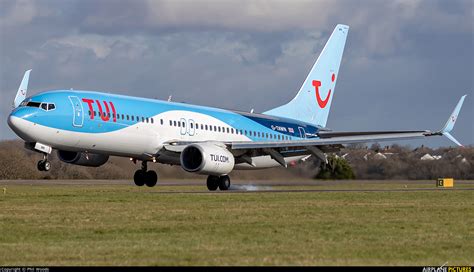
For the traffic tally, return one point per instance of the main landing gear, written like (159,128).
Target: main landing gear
(222,182)
(44,164)
(144,177)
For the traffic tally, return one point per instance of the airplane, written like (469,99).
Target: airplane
(86,127)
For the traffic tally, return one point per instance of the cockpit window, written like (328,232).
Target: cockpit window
(33,104)
(44,106)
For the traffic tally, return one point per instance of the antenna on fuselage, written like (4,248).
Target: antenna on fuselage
(169,98)
(251,111)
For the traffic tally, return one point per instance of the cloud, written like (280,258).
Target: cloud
(399,54)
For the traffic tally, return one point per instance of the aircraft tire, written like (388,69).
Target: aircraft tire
(224,183)
(212,183)
(151,178)
(139,177)
(46,165)
(40,166)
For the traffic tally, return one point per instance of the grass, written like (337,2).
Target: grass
(126,225)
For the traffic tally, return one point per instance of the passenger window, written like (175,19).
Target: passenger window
(227,129)
(161,121)
(129,118)
(215,128)
(171,123)
(232,130)
(191,125)
(108,114)
(174,123)
(202,126)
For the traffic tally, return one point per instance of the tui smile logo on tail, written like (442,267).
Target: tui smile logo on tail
(322,103)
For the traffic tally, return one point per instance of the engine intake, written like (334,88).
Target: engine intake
(80,158)
(207,159)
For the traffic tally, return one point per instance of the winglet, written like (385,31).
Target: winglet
(21,94)
(448,127)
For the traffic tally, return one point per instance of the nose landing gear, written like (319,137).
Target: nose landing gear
(45,164)
(144,177)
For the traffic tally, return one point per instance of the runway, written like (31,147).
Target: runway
(263,186)
(239,191)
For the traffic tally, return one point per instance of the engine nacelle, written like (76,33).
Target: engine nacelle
(80,158)
(207,159)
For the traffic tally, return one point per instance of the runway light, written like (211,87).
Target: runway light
(4,190)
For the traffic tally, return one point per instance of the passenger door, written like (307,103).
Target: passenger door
(78,114)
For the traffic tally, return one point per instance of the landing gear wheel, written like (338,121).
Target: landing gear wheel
(40,166)
(139,177)
(212,183)
(151,178)
(44,165)
(224,183)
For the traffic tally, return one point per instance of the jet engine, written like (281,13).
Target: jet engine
(81,158)
(207,159)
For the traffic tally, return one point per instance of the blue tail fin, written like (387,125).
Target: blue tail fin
(313,101)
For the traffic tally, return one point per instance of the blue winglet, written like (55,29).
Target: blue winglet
(448,127)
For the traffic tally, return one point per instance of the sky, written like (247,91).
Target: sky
(405,66)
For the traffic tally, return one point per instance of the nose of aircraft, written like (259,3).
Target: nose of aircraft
(19,125)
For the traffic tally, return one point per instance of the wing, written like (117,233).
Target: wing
(327,141)
(335,138)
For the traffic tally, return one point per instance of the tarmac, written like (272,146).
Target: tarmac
(266,186)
